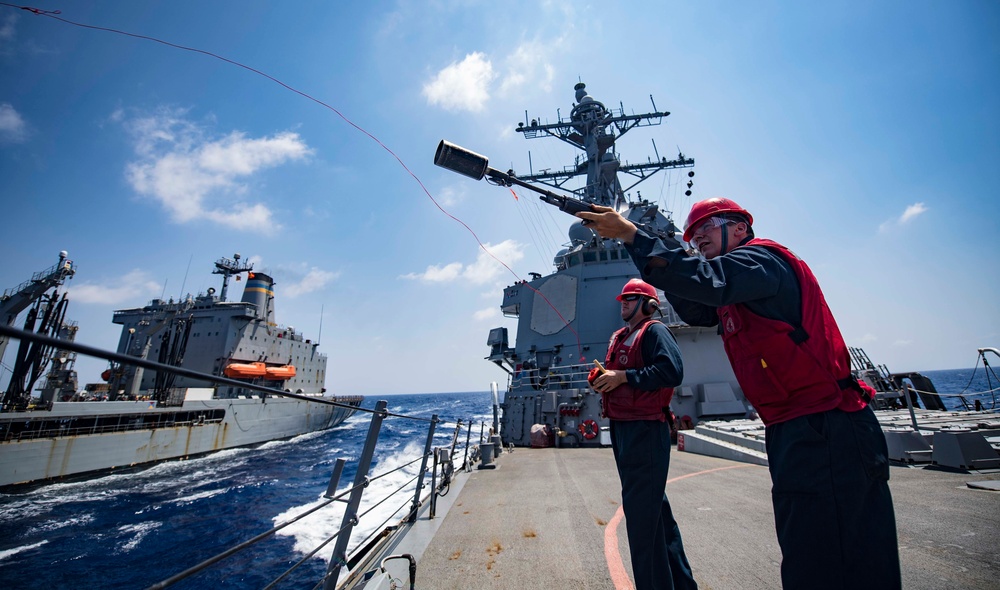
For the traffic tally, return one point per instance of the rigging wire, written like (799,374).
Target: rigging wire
(530,212)
(987,371)
(52,14)
(526,220)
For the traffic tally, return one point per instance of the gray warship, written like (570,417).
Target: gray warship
(564,319)
(542,507)
(506,522)
(142,416)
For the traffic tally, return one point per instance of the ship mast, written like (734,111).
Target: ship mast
(228,268)
(594,129)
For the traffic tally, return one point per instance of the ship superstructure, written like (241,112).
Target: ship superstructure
(209,334)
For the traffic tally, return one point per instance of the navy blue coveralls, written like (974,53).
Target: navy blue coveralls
(829,471)
(642,454)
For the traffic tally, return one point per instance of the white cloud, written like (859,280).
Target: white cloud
(12,126)
(198,178)
(462,86)
(487,267)
(131,287)
(908,215)
(8,44)
(869,337)
(438,274)
(314,280)
(486,314)
(528,65)
(7,32)
(911,212)
(449,196)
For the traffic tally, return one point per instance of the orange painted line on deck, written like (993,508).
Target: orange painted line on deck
(616,567)
(619,576)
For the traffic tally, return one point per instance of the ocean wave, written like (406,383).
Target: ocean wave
(119,524)
(10,552)
(136,533)
(50,526)
(394,474)
(192,498)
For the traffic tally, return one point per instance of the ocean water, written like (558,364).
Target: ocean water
(961,388)
(133,529)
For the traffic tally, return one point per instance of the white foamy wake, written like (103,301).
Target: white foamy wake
(316,528)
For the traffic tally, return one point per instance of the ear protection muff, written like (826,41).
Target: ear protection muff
(650,305)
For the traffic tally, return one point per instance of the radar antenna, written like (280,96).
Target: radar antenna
(228,268)
(594,129)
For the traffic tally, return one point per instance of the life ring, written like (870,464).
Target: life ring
(589,429)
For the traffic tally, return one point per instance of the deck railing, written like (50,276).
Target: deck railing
(437,463)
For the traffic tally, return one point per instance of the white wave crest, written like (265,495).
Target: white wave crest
(9,552)
(393,478)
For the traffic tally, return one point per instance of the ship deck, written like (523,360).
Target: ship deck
(553,517)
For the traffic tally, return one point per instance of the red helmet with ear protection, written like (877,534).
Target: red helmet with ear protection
(638,287)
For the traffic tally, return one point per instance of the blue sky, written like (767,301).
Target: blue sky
(863,135)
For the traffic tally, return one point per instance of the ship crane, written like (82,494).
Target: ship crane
(131,377)
(45,316)
(21,297)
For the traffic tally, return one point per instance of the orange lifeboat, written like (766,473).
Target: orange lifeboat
(280,373)
(245,370)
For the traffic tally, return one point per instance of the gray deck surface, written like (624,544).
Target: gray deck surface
(539,520)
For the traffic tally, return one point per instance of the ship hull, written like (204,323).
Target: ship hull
(77,438)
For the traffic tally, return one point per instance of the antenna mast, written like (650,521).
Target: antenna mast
(228,268)
(594,129)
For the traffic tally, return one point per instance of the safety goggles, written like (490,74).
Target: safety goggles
(631,297)
(710,224)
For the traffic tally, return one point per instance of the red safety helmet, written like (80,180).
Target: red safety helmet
(702,210)
(638,287)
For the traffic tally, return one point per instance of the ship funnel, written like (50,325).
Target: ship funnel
(260,292)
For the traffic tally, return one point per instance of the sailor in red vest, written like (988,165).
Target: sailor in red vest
(643,365)
(826,452)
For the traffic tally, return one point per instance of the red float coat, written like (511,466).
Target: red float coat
(626,402)
(789,371)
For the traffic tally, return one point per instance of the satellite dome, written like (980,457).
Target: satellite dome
(581,234)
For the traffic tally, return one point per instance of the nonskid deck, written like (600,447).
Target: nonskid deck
(553,517)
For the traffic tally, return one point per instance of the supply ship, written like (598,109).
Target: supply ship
(143,416)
